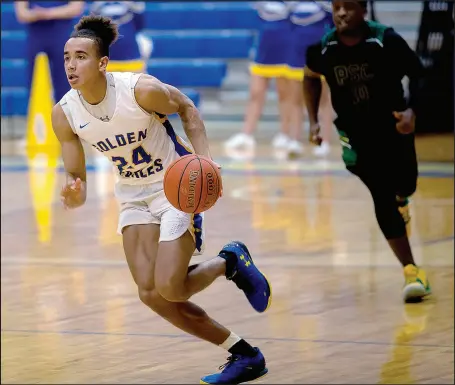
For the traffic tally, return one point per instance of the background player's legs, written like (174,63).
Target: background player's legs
(383,191)
(406,167)
(396,175)
(406,177)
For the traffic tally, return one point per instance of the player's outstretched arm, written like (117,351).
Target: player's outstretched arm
(407,63)
(312,89)
(155,96)
(74,192)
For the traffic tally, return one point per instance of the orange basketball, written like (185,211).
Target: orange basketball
(192,183)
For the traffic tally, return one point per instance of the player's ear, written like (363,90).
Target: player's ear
(103,63)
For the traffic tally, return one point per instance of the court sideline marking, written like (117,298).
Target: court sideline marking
(185,336)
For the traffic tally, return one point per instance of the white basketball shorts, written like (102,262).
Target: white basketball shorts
(144,204)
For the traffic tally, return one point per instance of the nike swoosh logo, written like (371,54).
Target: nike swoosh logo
(82,126)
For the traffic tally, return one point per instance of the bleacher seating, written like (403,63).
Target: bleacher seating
(192,44)
(201,15)
(14,101)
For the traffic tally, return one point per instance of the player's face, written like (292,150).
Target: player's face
(347,15)
(82,62)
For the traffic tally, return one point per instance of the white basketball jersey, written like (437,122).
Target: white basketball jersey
(140,145)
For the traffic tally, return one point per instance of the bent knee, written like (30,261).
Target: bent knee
(408,191)
(172,292)
(150,297)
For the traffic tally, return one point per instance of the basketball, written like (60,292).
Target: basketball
(192,183)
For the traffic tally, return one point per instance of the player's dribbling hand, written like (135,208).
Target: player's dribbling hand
(221,179)
(73,194)
(406,121)
(315,138)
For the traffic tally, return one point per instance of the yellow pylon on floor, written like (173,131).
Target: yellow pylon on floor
(40,136)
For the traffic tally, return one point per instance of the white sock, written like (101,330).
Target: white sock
(230,341)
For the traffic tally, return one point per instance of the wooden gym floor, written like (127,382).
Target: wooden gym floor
(70,313)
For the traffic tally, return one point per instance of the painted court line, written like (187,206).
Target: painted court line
(185,336)
(22,260)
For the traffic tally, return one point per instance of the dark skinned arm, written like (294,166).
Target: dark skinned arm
(312,89)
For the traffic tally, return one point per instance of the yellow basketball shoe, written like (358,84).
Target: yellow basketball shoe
(403,207)
(416,285)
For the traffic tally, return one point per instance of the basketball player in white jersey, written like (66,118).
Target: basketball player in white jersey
(123,115)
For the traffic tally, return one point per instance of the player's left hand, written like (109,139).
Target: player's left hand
(406,121)
(73,193)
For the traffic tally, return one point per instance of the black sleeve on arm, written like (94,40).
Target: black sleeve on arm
(408,63)
(314,58)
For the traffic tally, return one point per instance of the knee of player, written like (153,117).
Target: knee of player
(150,297)
(172,292)
(408,191)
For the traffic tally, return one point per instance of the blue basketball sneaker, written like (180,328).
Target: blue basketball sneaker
(239,369)
(241,269)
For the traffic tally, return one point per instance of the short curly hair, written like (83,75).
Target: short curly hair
(102,30)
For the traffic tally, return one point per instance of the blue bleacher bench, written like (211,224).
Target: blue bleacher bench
(14,72)
(223,44)
(192,41)
(201,15)
(189,73)
(8,18)
(14,44)
(177,15)
(183,73)
(15,100)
